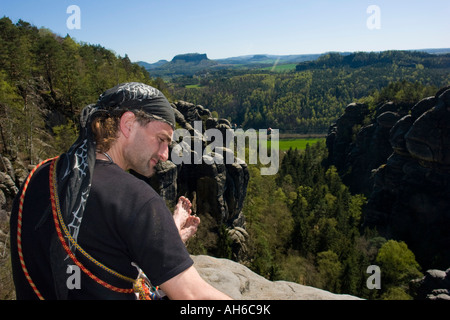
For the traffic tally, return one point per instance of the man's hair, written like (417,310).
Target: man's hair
(105,127)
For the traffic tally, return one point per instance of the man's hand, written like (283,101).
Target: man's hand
(186,223)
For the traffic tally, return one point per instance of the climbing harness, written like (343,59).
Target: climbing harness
(141,285)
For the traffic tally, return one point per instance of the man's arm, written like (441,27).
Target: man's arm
(189,285)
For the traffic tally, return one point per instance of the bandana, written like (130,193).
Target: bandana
(75,168)
(138,96)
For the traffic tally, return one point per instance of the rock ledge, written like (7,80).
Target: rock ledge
(240,283)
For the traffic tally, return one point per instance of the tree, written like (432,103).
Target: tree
(269,223)
(330,270)
(71,72)
(397,263)
(307,235)
(49,57)
(10,117)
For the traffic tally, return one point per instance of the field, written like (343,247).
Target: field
(281,67)
(192,86)
(300,144)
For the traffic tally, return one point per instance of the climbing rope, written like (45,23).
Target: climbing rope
(57,218)
(19,230)
(141,286)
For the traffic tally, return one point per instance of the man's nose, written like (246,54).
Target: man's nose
(164,153)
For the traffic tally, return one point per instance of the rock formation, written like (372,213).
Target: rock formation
(190,57)
(8,189)
(240,283)
(216,188)
(401,161)
(434,285)
(356,148)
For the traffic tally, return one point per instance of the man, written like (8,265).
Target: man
(101,219)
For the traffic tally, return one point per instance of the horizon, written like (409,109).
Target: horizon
(151,31)
(298,54)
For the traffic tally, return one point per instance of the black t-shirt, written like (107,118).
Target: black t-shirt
(125,221)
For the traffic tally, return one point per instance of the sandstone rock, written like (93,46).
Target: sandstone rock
(211,123)
(401,161)
(240,283)
(434,285)
(189,111)
(422,106)
(167,176)
(357,153)
(7,185)
(340,134)
(6,166)
(388,119)
(397,134)
(429,137)
(215,182)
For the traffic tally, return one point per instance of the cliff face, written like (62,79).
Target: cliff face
(401,161)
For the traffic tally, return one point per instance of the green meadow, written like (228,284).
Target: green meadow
(281,67)
(300,144)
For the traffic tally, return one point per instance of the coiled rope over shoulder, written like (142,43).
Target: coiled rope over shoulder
(140,286)
(57,218)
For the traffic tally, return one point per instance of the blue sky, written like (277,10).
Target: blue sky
(160,29)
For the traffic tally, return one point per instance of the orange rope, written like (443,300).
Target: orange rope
(53,198)
(19,230)
(140,286)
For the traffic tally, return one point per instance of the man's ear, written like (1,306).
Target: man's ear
(126,123)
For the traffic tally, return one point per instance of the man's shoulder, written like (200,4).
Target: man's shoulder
(111,176)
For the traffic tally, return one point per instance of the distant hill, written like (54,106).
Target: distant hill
(190,57)
(268,59)
(195,63)
(181,65)
(151,66)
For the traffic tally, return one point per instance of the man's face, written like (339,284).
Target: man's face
(148,146)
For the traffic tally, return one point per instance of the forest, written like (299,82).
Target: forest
(38,67)
(315,236)
(304,223)
(314,95)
